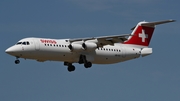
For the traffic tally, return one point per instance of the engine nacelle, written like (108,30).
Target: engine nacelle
(89,46)
(76,47)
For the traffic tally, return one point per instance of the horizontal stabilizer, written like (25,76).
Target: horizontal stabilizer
(156,23)
(152,24)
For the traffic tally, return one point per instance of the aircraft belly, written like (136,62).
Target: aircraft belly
(106,58)
(56,56)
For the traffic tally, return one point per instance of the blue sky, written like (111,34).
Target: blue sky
(152,78)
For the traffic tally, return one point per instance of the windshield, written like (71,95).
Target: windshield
(23,43)
(18,43)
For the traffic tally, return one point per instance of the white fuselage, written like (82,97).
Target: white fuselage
(42,49)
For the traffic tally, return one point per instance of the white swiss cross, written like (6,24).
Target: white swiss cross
(143,36)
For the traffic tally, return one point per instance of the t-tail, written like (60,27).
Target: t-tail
(142,33)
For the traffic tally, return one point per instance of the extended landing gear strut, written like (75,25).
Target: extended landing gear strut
(17,61)
(83,59)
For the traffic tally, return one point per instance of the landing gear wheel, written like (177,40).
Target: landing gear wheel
(71,68)
(17,61)
(88,65)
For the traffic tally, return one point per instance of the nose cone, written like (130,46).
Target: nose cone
(14,50)
(10,50)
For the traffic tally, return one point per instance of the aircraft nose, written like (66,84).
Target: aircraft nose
(9,50)
(13,50)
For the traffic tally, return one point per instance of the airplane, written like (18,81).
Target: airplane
(92,50)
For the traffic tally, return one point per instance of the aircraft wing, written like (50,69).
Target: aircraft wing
(104,40)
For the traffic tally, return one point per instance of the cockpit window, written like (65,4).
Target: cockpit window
(18,43)
(27,43)
(23,43)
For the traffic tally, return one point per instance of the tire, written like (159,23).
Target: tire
(88,65)
(71,68)
(17,61)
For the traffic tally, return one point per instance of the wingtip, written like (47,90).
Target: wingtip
(171,20)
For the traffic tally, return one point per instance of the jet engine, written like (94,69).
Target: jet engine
(89,46)
(76,47)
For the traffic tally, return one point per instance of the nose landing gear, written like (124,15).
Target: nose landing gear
(17,61)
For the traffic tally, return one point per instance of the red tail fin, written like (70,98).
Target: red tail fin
(141,35)
(143,32)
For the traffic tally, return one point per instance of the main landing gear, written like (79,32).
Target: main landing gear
(82,60)
(87,64)
(70,66)
(17,61)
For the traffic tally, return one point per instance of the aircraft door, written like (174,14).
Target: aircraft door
(36,44)
(123,50)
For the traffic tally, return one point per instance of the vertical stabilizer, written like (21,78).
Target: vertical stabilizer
(143,32)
